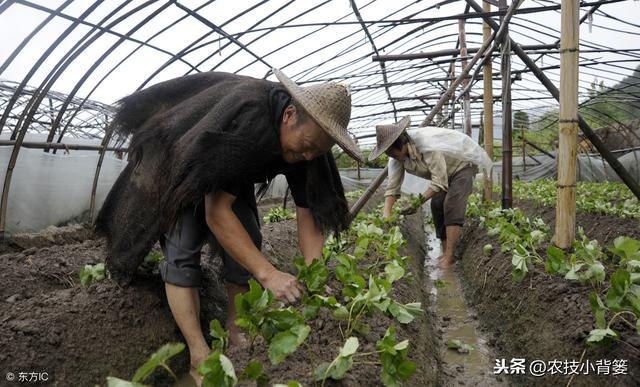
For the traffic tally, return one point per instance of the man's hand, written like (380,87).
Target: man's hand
(408,210)
(415,204)
(284,286)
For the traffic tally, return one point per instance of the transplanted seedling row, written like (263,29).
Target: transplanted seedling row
(613,298)
(366,263)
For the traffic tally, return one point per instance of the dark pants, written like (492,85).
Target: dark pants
(182,245)
(449,207)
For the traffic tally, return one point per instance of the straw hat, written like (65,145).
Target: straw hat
(329,104)
(386,135)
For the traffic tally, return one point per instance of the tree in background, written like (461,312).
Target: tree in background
(343,161)
(520,121)
(617,104)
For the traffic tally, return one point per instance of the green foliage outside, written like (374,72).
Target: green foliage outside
(608,198)
(619,103)
(344,161)
(602,107)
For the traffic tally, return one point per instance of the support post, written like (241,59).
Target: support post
(466,105)
(487,121)
(357,206)
(524,154)
(453,96)
(507,135)
(481,129)
(568,141)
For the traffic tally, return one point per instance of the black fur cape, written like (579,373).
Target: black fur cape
(190,136)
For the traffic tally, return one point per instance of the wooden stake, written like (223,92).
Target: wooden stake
(568,144)
(524,152)
(453,97)
(481,129)
(507,135)
(488,109)
(466,122)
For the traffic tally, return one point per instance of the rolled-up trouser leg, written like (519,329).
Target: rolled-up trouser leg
(234,272)
(455,203)
(182,246)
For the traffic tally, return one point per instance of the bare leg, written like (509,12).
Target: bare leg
(185,307)
(453,235)
(235,335)
(443,247)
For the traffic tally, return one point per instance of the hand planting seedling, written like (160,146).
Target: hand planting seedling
(282,328)
(414,205)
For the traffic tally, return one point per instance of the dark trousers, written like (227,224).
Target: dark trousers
(182,245)
(449,207)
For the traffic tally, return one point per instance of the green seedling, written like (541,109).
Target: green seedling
(158,359)
(278,214)
(459,346)
(396,368)
(92,273)
(338,368)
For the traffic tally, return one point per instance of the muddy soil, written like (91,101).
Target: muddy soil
(80,335)
(545,318)
(325,338)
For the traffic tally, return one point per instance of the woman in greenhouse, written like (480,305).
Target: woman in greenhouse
(447,158)
(198,146)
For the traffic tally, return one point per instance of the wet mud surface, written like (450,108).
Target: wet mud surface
(456,322)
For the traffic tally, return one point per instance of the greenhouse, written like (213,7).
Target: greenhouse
(321,192)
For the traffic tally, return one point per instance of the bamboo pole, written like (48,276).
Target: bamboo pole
(524,153)
(453,96)
(507,129)
(488,109)
(568,141)
(453,51)
(362,200)
(481,129)
(466,105)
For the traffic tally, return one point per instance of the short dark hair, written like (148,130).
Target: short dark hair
(400,141)
(302,114)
